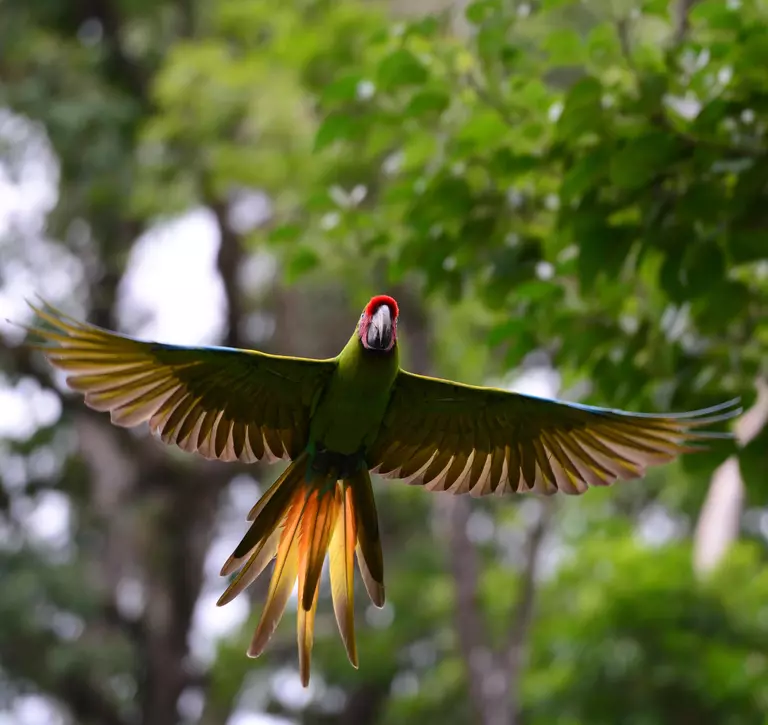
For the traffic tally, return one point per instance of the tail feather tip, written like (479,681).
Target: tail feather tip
(229,566)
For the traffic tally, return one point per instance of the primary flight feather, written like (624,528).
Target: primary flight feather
(339,420)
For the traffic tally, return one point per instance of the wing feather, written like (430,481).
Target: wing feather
(462,438)
(223,403)
(481,450)
(542,459)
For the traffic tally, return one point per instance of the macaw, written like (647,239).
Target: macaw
(339,420)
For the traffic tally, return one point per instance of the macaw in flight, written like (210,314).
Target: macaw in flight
(339,420)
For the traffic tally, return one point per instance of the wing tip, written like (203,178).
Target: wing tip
(13,323)
(726,409)
(43,304)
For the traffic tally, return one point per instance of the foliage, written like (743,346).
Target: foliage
(613,220)
(584,179)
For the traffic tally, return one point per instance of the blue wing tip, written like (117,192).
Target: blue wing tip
(687,414)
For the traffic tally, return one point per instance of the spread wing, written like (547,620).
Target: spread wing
(225,403)
(461,438)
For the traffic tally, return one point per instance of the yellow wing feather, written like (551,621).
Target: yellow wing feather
(224,403)
(461,438)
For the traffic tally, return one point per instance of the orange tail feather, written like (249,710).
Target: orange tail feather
(297,522)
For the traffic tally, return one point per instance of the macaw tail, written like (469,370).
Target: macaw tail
(296,522)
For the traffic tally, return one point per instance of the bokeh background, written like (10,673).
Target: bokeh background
(567,198)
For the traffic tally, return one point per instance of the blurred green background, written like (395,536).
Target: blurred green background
(567,198)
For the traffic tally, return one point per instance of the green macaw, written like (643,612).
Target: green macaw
(339,420)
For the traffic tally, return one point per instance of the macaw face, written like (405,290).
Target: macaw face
(378,324)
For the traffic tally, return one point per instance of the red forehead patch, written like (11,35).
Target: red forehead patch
(379,300)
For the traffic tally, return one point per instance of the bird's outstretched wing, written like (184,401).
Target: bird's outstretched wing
(461,438)
(225,403)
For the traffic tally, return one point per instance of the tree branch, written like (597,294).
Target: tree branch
(229,261)
(188,13)
(681,10)
(517,638)
(486,97)
(157,513)
(120,67)
(364,704)
(625,42)
(468,617)
(720,517)
(24,652)
(88,705)
(494,672)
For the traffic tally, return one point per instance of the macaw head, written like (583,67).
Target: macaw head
(378,324)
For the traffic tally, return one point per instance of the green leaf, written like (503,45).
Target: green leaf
(754,51)
(518,347)
(509,329)
(702,202)
(480,10)
(491,40)
(585,173)
(554,4)
(426,102)
(710,116)
(285,233)
(720,304)
(653,88)
(564,46)
(342,89)
(536,290)
(512,266)
(753,462)
(582,110)
(704,462)
(483,125)
(602,248)
(426,27)
(747,246)
(704,267)
(506,163)
(449,197)
(300,262)
(658,8)
(337,127)
(670,273)
(715,14)
(641,159)
(603,43)
(401,68)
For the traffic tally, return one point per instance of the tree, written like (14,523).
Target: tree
(575,184)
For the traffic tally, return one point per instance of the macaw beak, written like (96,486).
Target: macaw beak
(379,335)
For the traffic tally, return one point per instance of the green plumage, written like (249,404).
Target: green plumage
(354,400)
